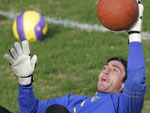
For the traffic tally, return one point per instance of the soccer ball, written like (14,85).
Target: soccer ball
(30,25)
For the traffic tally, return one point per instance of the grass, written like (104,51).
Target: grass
(69,60)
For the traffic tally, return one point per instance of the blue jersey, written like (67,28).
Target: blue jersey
(129,101)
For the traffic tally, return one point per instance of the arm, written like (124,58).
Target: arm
(135,86)
(29,104)
(135,69)
(23,67)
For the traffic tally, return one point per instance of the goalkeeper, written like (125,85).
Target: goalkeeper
(116,92)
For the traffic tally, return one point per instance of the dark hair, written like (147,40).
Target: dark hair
(123,61)
(4,110)
(56,108)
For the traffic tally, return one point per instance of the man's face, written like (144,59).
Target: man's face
(111,77)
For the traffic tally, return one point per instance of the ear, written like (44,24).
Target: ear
(122,86)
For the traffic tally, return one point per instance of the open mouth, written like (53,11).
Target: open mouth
(104,79)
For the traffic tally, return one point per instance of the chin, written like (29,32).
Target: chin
(101,90)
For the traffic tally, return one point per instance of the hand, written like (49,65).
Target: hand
(135,30)
(21,62)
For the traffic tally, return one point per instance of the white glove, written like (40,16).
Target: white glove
(135,30)
(21,62)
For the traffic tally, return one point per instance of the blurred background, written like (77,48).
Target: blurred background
(73,52)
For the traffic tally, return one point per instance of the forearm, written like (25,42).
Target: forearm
(27,102)
(135,57)
(136,68)
(136,64)
(135,86)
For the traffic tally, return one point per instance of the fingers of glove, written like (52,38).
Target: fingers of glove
(9,59)
(137,26)
(18,48)
(141,9)
(33,61)
(25,47)
(13,53)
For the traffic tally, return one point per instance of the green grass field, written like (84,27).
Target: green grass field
(69,59)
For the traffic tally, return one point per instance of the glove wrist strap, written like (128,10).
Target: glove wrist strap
(135,37)
(26,80)
(131,32)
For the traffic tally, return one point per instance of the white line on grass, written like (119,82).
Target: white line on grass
(72,24)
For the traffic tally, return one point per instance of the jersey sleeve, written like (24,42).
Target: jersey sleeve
(29,104)
(135,86)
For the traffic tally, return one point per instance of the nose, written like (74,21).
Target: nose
(106,70)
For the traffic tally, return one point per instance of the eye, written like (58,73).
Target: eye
(104,67)
(115,70)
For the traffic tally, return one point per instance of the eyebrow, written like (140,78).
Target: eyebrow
(117,67)
(114,66)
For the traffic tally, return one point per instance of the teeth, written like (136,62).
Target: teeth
(103,78)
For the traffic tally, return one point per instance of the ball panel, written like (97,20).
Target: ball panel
(38,28)
(20,27)
(45,29)
(31,19)
(15,32)
(30,35)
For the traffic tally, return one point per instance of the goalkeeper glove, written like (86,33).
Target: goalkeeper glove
(21,62)
(135,30)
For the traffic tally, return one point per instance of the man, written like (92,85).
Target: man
(115,95)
